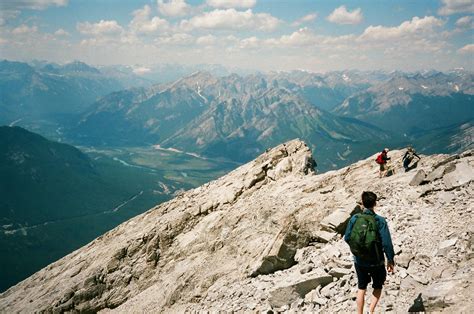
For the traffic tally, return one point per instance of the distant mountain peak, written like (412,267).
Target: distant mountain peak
(78,66)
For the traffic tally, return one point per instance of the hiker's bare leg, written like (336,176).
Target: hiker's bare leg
(360,301)
(375,299)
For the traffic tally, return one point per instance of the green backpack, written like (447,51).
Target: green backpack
(364,238)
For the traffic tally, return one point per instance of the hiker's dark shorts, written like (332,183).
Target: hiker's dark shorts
(383,167)
(375,273)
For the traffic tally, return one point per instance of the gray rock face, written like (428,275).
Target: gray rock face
(339,272)
(337,221)
(289,294)
(419,177)
(252,241)
(281,252)
(435,174)
(324,236)
(404,259)
(440,295)
(462,174)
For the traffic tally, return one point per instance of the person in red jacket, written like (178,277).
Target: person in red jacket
(382,161)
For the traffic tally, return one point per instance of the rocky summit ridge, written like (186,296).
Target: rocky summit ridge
(267,236)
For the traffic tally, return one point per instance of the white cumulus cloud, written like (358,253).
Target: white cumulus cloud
(305,37)
(24,29)
(6,15)
(101,28)
(342,16)
(302,37)
(468,49)
(175,39)
(305,19)
(465,22)
(206,40)
(250,42)
(173,7)
(31,4)
(227,4)
(456,6)
(231,19)
(416,27)
(61,32)
(142,23)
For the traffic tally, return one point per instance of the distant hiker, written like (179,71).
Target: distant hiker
(408,157)
(309,165)
(368,237)
(382,159)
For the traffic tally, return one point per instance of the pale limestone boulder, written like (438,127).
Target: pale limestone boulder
(291,293)
(419,177)
(462,174)
(337,220)
(324,236)
(435,174)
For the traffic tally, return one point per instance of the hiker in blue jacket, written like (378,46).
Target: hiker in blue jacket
(373,268)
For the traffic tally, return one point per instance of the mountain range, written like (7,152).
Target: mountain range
(51,90)
(340,114)
(414,103)
(238,117)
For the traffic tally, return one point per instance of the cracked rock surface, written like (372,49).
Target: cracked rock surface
(267,236)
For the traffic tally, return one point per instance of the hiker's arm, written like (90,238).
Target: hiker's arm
(347,235)
(405,156)
(387,242)
(417,155)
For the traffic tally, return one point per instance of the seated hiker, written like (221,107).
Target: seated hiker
(408,157)
(382,160)
(369,238)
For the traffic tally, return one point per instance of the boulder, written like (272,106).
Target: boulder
(280,254)
(306,269)
(445,161)
(324,236)
(445,197)
(313,296)
(343,263)
(283,296)
(339,272)
(446,246)
(288,294)
(329,291)
(404,259)
(462,174)
(435,174)
(402,273)
(418,178)
(338,219)
(439,295)
(283,167)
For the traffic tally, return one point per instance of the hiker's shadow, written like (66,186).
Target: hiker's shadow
(417,305)
(415,164)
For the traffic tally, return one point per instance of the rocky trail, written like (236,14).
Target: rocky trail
(267,237)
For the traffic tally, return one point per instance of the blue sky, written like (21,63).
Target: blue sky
(262,34)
